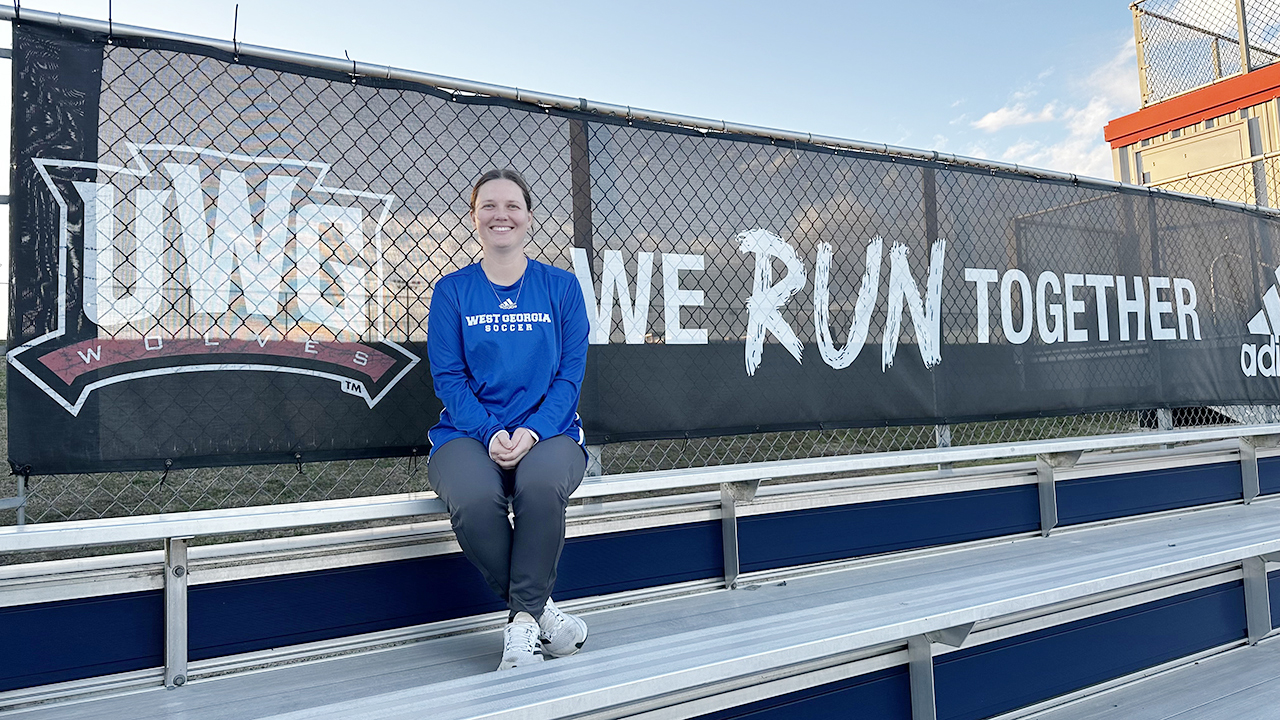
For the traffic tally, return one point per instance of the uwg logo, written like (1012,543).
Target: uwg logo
(1263,359)
(199,261)
(255,255)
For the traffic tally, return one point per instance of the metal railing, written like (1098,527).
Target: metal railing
(87,496)
(83,497)
(116,531)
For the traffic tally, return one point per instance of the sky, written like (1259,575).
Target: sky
(1027,82)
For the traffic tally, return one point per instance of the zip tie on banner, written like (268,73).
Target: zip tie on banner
(111,28)
(297,458)
(235,29)
(353,67)
(24,472)
(168,463)
(413,462)
(17,11)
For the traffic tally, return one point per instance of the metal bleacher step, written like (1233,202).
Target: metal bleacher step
(1240,684)
(728,647)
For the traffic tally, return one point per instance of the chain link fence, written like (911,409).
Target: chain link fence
(1252,181)
(101,495)
(1186,44)
(653,189)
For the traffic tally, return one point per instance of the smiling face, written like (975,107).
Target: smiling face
(501,216)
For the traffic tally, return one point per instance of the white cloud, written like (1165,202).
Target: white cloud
(1022,148)
(1117,79)
(1082,152)
(1074,142)
(1013,115)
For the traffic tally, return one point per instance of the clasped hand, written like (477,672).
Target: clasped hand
(508,449)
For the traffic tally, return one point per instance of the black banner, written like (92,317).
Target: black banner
(224,260)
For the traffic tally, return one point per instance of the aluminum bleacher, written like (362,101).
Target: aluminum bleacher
(1243,683)
(970,592)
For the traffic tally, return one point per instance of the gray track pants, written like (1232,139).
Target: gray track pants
(520,563)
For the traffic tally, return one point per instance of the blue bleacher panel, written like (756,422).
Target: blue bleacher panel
(767,542)
(997,677)
(60,641)
(1124,494)
(883,695)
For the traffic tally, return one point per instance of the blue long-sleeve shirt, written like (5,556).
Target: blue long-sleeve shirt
(505,357)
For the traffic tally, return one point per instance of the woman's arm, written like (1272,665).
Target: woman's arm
(561,402)
(449,368)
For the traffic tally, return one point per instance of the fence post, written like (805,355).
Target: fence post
(942,439)
(1142,59)
(1258,149)
(595,460)
(1164,423)
(1243,29)
(22,499)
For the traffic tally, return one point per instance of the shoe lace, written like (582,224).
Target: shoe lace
(520,638)
(552,620)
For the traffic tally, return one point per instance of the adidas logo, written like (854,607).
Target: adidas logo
(1262,360)
(1268,318)
(509,305)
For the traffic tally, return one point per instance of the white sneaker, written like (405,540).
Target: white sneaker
(562,634)
(520,642)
